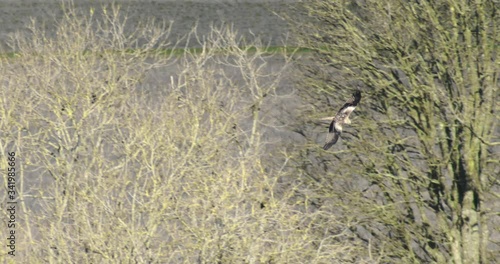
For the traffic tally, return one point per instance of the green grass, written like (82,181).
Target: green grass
(181,51)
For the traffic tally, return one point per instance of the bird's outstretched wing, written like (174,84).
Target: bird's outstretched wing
(332,136)
(341,118)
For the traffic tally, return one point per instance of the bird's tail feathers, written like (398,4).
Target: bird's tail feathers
(331,140)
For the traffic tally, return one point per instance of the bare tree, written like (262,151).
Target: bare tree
(136,150)
(425,141)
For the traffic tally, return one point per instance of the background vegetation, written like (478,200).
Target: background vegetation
(135,149)
(420,171)
(130,154)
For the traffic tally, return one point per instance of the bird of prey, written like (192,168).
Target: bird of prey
(341,118)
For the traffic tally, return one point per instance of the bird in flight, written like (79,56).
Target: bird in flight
(341,118)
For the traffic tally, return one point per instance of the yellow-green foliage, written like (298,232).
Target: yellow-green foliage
(427,132)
